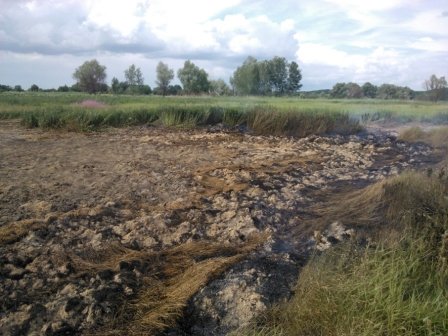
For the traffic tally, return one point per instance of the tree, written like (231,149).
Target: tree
(18,88)
(133,76)
(34,88)
(390,91)
(5,88)
(369,90)
(219,88)
(436,87)
(353,90)
(134,79)
(63,88)
(164,76)
(174,90)
(194,80)
(278,75)
(339,90)
(294,78)
(246,78)
(90,76)
(115,85)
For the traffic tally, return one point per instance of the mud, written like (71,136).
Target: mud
(149,189)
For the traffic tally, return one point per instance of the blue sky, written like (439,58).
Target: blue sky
(383,41)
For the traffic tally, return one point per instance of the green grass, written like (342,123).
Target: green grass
(264,115)
(397,286)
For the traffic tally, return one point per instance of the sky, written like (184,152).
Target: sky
(400,42)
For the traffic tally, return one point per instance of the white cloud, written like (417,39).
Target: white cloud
(429,22)
(429,44)
(242,43)
(119,16)
(366,6)
(352,39)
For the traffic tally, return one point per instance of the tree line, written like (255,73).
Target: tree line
(436,89)
(275,76)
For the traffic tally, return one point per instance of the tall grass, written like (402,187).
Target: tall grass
(299,122)
(399,286)
(191,111)
(268,120)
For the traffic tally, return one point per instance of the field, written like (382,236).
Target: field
(129,215)
(264,115)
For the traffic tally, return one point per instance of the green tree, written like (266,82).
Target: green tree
(436,87)
(294,78)
(90,76)
(194,79)
(353,90)
(115,85)
(246,78)
(369,90)
(133,76)
(5,88)
(339,90)
(18,88)
(134,79)
(263,71)
(63,88)
(266,77)
(390,91)
(278,75)
(219,88)
(164,76)
(34,88)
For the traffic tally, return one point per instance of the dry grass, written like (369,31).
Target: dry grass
(392,202)
(173,277)
(13,231)
(436,137)
(397,287)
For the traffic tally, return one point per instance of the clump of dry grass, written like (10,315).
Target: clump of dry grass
(13,231)
(391,202)
(173,277)
(436,137)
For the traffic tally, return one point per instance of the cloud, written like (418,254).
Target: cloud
(73,27)
(342,40)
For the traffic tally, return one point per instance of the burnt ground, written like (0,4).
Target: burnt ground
(67,198)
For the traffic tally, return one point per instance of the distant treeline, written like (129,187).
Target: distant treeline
(274,77)
(368,90)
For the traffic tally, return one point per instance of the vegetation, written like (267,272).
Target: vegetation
(368,90)
(194,79)
(90,77)
(436,87)
(268,77)
(397,286)
(134,81)
(164,76)
(437,137)
(176,275)
(65,110)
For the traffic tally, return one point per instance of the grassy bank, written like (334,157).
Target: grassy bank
(264,115)
(396,286)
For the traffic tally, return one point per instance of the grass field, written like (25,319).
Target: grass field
(264,115)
